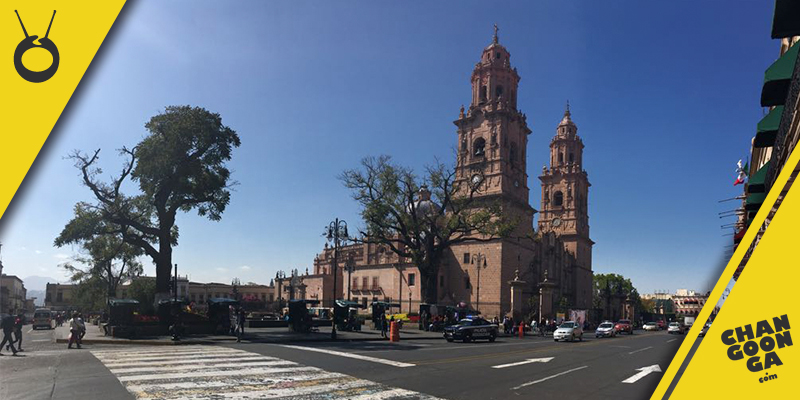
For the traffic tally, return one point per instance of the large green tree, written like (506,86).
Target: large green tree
(105,257)
(181,165)
(419,218)
(608,286)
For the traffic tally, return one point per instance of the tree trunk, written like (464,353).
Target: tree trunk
(163,266)
(429,279)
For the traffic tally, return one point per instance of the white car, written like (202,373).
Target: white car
(675,327)
(651,326)
(568,330)
(606,329)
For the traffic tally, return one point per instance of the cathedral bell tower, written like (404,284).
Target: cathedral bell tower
(565,190)
(493,134)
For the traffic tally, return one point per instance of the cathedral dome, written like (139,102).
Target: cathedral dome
(424,205)
(567,120)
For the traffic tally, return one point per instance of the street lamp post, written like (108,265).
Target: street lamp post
(478,259)
(349,266)
(176,312)
(336,232)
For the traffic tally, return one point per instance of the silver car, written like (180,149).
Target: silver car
(568,330)
(606,329)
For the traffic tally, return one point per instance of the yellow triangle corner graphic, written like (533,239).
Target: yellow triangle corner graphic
(39,75)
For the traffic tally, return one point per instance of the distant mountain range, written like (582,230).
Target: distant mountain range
(36,286)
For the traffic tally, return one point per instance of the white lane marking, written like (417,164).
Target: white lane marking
(644,371)
(178,362)
(163,350)
(240,364)
(183,352)
(671,340)
(221,384)
(274,393)
(29,330)
(351,355)
(165,357)
(528,361)
(243,371)
(636,351)
(40,340)
(391,394)
(549,377)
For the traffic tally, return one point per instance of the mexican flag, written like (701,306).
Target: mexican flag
(741,173)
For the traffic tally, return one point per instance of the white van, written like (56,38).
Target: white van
(42,317)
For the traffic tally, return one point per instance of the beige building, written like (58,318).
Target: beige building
(12,294)
(492,137)
(778,132)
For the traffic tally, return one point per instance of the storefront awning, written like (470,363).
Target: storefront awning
(754,201)
(777,78)
(756,183)
(767,128)
(786,20)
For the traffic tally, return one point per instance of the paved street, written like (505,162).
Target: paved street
(625,367)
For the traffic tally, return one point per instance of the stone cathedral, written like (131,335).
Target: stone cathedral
(551,265)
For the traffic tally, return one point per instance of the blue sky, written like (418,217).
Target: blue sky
(665,96)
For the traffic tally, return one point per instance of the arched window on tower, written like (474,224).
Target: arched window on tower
(558,199)
(560,158)
(479,147)
(571,158)
(483,93)
(498,91)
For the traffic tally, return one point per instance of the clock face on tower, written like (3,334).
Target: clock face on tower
(476,180)
(556,222)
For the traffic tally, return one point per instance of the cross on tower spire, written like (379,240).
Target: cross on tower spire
(494,38)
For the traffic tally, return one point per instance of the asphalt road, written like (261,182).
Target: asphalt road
(421,369)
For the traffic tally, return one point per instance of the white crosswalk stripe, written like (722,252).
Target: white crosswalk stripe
(207,372)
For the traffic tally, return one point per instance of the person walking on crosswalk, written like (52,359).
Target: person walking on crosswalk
(76,329)
(7,324)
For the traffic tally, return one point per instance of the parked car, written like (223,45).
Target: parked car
(624,325)
(470,329)
(661,324)
(675,327)
(42,318)
(651,326)
(605,329)
(568,330)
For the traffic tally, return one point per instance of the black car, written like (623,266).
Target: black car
(471,329)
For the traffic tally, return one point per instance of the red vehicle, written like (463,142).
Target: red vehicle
(624,325)
(661,324)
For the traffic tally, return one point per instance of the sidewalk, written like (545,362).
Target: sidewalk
(94,335)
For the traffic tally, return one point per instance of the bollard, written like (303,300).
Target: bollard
(394,332)
(521,330)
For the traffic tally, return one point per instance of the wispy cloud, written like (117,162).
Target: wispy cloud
(221,269)
(245,268)
(38,252)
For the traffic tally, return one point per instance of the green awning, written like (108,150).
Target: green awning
(756,183)
(777,78)
(767,129)
(754,201)
(786,20)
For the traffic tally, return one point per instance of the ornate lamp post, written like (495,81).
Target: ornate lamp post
(336,233)
(480,263)
(349,266)
(235,283)
(176,311)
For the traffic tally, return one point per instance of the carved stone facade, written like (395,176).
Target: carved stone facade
(492,138)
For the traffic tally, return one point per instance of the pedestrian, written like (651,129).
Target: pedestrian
(18,331)
(7,324)
(240,319)
(76,327)
(382,324)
